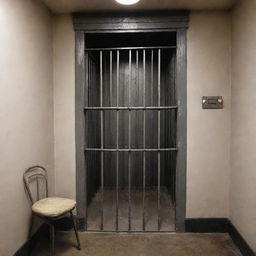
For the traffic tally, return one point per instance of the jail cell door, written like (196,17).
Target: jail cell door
(131,139)
(131,122)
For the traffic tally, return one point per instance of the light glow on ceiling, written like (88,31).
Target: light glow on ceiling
(127,2)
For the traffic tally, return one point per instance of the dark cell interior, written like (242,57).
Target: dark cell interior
(131,78)
(145,39)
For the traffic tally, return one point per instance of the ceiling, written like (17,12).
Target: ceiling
(69,6)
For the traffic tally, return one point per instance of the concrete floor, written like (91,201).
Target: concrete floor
(166,213)
(149,244)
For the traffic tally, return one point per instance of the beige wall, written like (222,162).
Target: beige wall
(64,105)
(208,130)
(26,111)
(243,156)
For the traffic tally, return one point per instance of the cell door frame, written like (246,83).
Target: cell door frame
(170,21)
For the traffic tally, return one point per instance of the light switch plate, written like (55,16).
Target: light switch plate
(212,102)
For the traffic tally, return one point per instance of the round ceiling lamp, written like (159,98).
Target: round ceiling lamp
(127,2)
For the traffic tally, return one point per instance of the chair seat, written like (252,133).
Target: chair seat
(53,206)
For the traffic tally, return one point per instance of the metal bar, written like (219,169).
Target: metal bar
(131,149)
(130,48)
(144,139)
(102,144)
(152,96)
(137,92)
(152,79)
(110,77)
(90,100)
(101,81)
(119,31)
(137,70)
(132,108)
(84,136)
(129,135)
(117,140)
(159,141)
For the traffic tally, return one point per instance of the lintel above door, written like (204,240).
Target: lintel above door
(131,21)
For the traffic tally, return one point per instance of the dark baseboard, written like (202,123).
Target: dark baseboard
(219,225)
(29,245)
(239,241)
(207,225)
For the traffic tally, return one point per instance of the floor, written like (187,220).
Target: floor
(166,212)
(150,244)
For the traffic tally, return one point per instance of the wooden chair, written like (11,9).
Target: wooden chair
(47,208)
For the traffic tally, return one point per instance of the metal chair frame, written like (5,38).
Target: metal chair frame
(34,174)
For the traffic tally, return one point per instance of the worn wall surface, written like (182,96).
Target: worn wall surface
(208,157)
(26,111)
(64,105)
(208,130)
(243,140)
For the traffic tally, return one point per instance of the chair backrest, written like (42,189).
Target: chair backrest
(36,183)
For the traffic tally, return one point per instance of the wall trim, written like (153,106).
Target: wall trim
(219,225)
(207,225)
(133,20)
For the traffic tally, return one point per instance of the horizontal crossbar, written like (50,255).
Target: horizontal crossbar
(131,48)
(131,108)
(131,149)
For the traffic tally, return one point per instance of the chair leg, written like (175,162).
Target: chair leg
(31,226)
(76,233)
(52,238)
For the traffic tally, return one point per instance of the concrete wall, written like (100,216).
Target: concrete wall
(208,130)
(243,140)
(26,111)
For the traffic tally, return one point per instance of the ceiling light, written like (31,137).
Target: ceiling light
(127,2)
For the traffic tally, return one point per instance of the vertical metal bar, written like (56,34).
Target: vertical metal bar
(110,77)
(129,135)
(152,79)
(102,144)
(159,134)
(144,138)
(152,113)
(89,64)
(117,139)
(86,102)
(137,70)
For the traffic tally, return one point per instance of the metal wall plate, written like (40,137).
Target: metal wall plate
(212,102)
